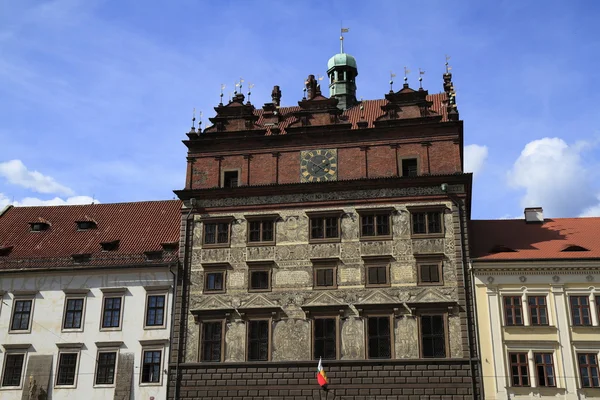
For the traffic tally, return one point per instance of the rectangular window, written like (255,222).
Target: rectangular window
(73,313)
(544,366)
(261,231)
(588,370)
(216,233)
(111,315)
(375,225)
(13,369)
(538,310)
(105,370)
(212,337)
(433,336)
(230,179)
(325,277)
(430,273)
(155,310)
(67,368)
(427,223)
(580,310)
(379,337)
(151,366)
(260,280)
(377,275)
(325,338)
(21,315)
(258,340)
(324,228)
(214,281)
(409,167)
(513,311)
(519,369)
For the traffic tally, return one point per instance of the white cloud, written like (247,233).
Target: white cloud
(17,173)
(475,156)
(553,176)
(56,201)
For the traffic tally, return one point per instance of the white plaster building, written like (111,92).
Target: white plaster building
(537,286)
(87,293)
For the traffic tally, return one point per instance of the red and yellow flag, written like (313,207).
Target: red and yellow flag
(321,377)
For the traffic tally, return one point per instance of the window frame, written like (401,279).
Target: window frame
(385,264)
(588,366)
(269,321)
(261,219)
(441,209)
(19,298)
(513,308)
(518,364)
(537,307)
(391,319)
(239,177)
(215,269)
(581,308)
(260,268)
(74,296)
(111,293)
(103,350)
(216,220)
(536,364)
(337,214)
(8,353)
(222,321)
(156,292)
(161,350)
(375,212)
(444,316)
(61,352)
(323,316)
(409,157)
(430,261)
(325,266)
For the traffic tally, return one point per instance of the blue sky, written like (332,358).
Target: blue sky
(96,96)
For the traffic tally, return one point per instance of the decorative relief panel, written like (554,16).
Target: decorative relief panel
(324,250)
(350,251)
(401,224)
(353,339)
(449,272)
(403,273)
(291,253)
(376,248)
(215,255)
(406,333)
(191,350)
(291,340)
(261,253)
(238,255)
(197,278)
(292,279)
(236,279)
(402,248)
(350,226)
(235,341)
(293,228)
(238,232)
(455,337)
(428,246)
(350,274)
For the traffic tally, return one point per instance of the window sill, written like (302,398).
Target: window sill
(322,241)
(428,236)
(259,290)
(154,327)
(216,246)
(213,291)
(116,329)
(19,332)
(150,384)
(78,330)
(324,287)
(104,386)
(375,238)
(430,284)
(259,244)
(10,388)
(377,285)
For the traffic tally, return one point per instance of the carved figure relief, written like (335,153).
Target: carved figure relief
(376,248)
(407,343)
(350,251)
(455,336)
(238,232)
(401,224)
(215,255)
(350,226)
(294,228)
(291,253)
(238,255)
(353,339)
(191,350)
(428,246)
(291,340)
(261,253)
(235,341)
(324,250)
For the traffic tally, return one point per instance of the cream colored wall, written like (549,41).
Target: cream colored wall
(560,337)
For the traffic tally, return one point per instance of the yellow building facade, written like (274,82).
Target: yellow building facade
(537,289)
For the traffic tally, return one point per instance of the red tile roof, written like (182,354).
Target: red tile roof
(371,110)
(140,227)
(514,240)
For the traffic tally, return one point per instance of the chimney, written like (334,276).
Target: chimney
(534,215)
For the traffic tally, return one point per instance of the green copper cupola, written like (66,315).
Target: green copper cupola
(342,72)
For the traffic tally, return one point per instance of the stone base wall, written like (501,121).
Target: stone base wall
(437,379)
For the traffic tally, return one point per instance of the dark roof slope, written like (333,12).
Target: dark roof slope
(514,240)
(139,227)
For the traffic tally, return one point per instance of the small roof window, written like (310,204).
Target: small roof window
(5,250)
(81,258)
(574,247)
(38,226)
(153,255)
(112,245)
(499,248)
(170,247)
(86,225)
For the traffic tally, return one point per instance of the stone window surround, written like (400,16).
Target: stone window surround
(585,347)
(201,321)
(260,218)
(22,295)
(14,349)
(239,176)
(325,214)
(258,317)
(108,349)
(215,220)
(591,293)
(112,293)
(260,267)
(434,312)
(532,348)
(524,293)
(322,264)
(72,294)
(68,348)
(441,208)
(325,315)
(408,157)
(149,347)
(215,268)
(374,212)
(379,313)
(430,259)
(377,263)
(510,365)
(157,291)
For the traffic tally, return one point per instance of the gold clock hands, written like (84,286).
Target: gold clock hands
(317,165)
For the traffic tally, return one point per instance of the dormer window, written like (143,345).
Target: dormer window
(86,225)
(231,178)
(153,255)
(81,258)
(5,251)
(38,226)
(170,247)
(574,247)
(110,246)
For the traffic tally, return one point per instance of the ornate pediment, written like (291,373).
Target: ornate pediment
(324,299)
(378,297)
(258,301)
(432,295)
(213,303)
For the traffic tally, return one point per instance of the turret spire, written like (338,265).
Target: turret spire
(342,72)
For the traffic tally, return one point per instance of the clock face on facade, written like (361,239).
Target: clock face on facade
(318,165)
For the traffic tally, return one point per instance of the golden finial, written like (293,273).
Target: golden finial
(392,75)
(448,67)
(421,73)
(406,72)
